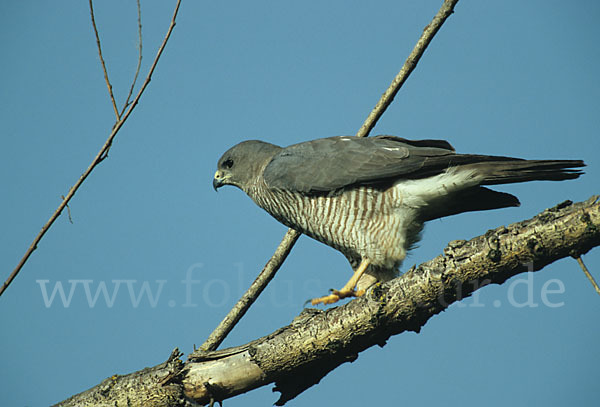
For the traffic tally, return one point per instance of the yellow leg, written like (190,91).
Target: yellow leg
(347,290)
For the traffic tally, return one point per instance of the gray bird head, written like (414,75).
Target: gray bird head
(243,163)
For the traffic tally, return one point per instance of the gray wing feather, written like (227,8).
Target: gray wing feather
(331,163)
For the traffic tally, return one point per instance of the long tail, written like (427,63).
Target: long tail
(495,171)
(508,172)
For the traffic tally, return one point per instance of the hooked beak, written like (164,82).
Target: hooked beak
(219,180)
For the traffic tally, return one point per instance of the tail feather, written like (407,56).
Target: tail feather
(491,170)
(468,200)
(509,172)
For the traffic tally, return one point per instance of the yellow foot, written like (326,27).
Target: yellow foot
(336,295)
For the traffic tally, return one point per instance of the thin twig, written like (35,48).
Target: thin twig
(588,274)
(139,63)
(99,157)
(219,334)
(411,62)
(239,309)
(110,91)
(68,211)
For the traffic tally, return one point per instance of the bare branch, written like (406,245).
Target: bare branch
(154,63)
(292,235)
(588,274)
(409,65)
(240,308)
(297,356)
(102,154)
(108,84)
(139,63)
(68,211)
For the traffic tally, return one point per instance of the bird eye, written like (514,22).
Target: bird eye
(228,163)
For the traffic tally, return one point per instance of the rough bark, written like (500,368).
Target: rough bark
(151,386)
(297,356)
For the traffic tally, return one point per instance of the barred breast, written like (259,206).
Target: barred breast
(362,222)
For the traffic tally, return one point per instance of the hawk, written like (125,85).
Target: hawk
(370,197)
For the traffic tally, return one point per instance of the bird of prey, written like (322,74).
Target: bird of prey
(369,197)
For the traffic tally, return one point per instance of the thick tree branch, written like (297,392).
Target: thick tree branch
(286,245)
(297,356)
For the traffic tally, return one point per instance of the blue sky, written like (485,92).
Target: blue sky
(508,78)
